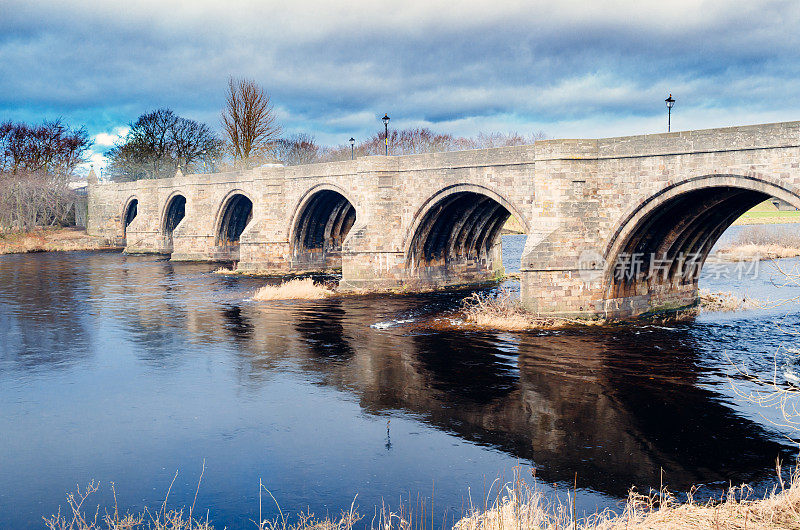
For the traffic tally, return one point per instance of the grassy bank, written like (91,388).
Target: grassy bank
(517,505)
(767,213)
(50,240)
(524,507)
(761,242)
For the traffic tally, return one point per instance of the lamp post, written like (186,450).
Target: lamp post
(670,102)
(352,148)
(386,136)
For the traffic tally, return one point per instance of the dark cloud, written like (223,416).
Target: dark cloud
(576,68)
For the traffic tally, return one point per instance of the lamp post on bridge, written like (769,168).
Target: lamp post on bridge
(670,102)
(352,148)
(386,136)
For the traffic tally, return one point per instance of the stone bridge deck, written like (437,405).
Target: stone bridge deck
(615,226)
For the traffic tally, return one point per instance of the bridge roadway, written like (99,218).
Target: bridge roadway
(615,226)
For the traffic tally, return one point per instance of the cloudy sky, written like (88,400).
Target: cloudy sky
(588,68)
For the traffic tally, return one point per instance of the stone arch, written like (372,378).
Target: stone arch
(235,213)
(322,220)
(129,212)
(455,234)
(173,214)
(657,250)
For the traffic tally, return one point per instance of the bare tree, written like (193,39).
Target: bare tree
(158,143)
(298,149)
(36,165)
(249,120)
(424,140)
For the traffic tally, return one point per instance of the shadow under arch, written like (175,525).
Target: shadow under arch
(655,257)
(174,212)
(320,226)
(235,213)
(455,237)
(129,211)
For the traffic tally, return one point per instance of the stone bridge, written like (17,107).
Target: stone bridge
(615,226)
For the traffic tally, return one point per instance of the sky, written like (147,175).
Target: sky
(571,69)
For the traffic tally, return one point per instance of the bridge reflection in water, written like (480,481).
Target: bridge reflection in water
(156,365)
(615,408)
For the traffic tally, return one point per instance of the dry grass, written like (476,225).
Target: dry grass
(517,505)
(759,242)
(525,507)
(297,289)
(50,240)
(76,518)
(227,272)
(504,312)
(725,302)
(760,252)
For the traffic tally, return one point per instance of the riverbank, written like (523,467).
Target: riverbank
(527,508)
(518,505)
(760,242)
(51,240)
(766,213)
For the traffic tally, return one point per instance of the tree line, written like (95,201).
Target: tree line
(160,142)
(37,163)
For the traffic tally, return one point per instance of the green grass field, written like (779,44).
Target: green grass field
(766,213)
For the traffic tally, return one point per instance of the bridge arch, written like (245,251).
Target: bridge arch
(234,214)
(322,220)
(129,211)
(455,234)
(173,213)
(658,249)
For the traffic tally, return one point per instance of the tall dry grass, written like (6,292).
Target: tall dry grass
(503,311)
(524,507)
(725,302)
(763,242)
(516,505)
(76,516)
(296,289)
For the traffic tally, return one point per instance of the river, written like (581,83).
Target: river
(125,369)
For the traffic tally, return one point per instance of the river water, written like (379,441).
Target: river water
(125,369)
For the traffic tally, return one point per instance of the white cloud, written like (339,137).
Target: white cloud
(109,139)
(332,68)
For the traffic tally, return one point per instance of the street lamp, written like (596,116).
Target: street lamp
(352,148)
(670,102)
(386,137)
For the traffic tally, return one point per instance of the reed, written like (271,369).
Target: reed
(725,302)
(760,242)
(516,505)
(297,289)
(505,312)
(525,507)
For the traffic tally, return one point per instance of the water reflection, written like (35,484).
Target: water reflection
(615,406)
(186,362)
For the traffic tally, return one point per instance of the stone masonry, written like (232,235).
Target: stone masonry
(432,220)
